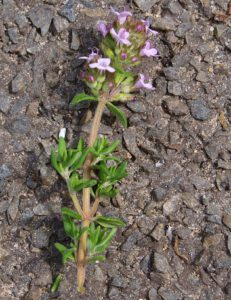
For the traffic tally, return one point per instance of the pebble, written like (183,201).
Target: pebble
(158,232)
(19,125)
(131,241)
(171,73)
(3,253)
(202,76)
(13,35)
(146,5)
(5,102)
(60,24)
(199,110)
(68,11)
(175,88)
(172,205)
(5,172)
(40,238)
(182,29)
(175,106)
(75,41)
(137,106)
(168,294)
(19,83)
(212,240)
(130,141)
(164,23)
(152,294)
(145,264)
(227,220)
(159,193)
(161,264)
(41,18)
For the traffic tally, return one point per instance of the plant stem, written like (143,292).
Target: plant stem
(95,206)
(76,203)
(82,251)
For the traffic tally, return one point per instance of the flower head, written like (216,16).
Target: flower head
(147,50)
(91,56)
(122,16)
(103,28)
(142,84)
(121,37)
(62,133)
(148,30)
(103,64)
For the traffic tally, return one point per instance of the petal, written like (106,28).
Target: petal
(94,65)
(110,69)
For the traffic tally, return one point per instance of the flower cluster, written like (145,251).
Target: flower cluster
(125,43)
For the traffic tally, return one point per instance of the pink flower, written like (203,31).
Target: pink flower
(141,84)
(122,17)
(121,37)
(103,64)
(91,56)
(147,50)
(148,30)
(103,28)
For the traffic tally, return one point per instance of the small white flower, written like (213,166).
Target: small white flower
(62,133)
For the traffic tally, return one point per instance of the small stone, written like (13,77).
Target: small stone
(199,182)
(182,29)
(40,238)
(3,206)
(12,210)
(165,24)
(229,243)
(19,83)
(130,141)
(175,88)
(171,73)
(190,201)
(75,41)
(119,282)
(172,205)
(145,5)
(60,24)
(5,172)
(41,210)
(158,232)
(22,23)
(212,240)
(199,110)
(146,264)
(136,106)
(99,274)
(131,241)
(227,220)
(152,294)
(43,273)
(159,193)
(13,35)
(161,264)
(41,18)
(5,102)
(175,106)
(19,126)
(68,11)
(202,76)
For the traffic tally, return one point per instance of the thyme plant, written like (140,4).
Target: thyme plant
(91,168)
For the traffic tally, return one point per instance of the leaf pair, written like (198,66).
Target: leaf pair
(77,184)
(65,161)
(109,222)
(118,113)
(98,241)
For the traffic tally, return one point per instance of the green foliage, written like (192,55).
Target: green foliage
(76,184)
(98,241)
(109,222)
(67,253)
(65,161)
(56,283)
(70,213)
(108,177)
(118,113)
(82,97)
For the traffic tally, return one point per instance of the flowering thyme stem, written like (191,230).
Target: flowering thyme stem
(82,251)
(95,206)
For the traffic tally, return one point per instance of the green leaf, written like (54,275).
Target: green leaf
(82,97)
(84,183)
(78,164)
(62,150)
(80,146)
(109,222)
(71,213)
(70,227)
(101,247)
(61,248)
(95,259)
(56,283)
(75,157)
(54,162)
(69,255)
(118,113)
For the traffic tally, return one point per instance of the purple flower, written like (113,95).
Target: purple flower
(121,37)
(141,84)
(103,28)
(91,56)
(103,64)
(147,50)
(122,17)
(148,30)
